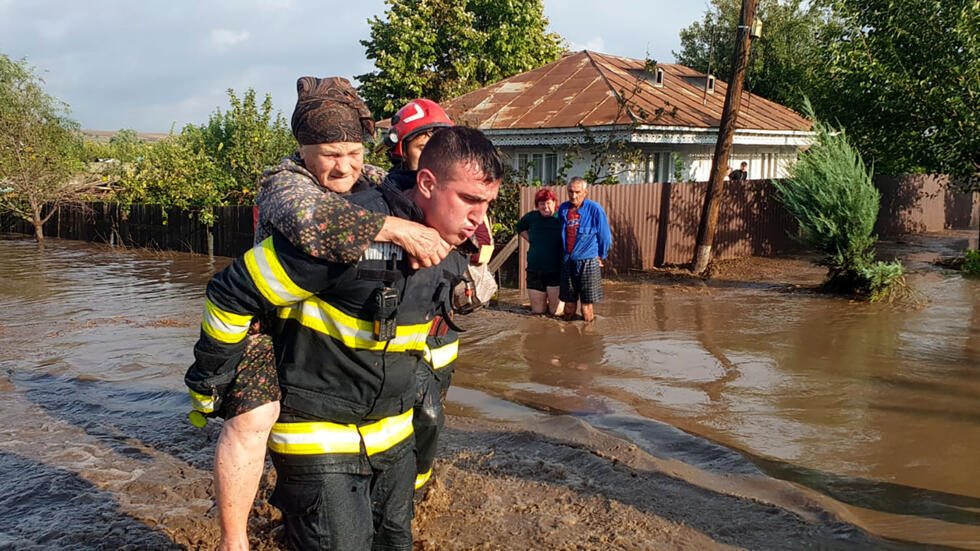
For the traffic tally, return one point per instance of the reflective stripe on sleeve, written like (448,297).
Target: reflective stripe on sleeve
(323,437)
(224,326)
(422,478)
(442,356)
(201,402)
(267,273)
(353,332)
(486,252)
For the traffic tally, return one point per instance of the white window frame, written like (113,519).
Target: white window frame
(540,165)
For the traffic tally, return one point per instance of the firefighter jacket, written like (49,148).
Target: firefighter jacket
(347,391)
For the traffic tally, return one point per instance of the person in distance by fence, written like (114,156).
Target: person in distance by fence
(586,238)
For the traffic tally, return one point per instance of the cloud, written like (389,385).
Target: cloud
(145,65)
(226,38)
(596,44)
(272,5)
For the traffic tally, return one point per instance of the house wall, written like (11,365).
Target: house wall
(765,161)
(693,160)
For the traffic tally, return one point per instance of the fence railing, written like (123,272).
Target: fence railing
(656,224)
(652,224)
(149,226)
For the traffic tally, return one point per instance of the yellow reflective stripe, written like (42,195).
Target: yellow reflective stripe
(267,273)
(422,478)
(354,333)
(324,437)
(486,251)
(442,356)
(314,438)
(201,402)
(387,432)
(224,326)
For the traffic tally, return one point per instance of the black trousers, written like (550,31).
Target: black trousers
(428,417)
(342,512)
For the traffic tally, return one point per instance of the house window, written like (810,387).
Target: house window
(659,82)
(658,167)
(538,167)
(710,85)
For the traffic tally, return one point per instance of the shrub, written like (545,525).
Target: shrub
(971,266)
(831,195)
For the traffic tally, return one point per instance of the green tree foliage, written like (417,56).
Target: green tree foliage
(218,163)
(505,209)
(905,79)
(785,62)
(38,148)
(440,49)
(244,141)
(832,198)
(175,172)
(971,263)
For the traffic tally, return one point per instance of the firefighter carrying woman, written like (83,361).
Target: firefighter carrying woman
(301,201)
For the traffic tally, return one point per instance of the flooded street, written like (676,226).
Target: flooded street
(872,410)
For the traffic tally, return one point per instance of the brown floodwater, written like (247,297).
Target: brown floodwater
(874,409)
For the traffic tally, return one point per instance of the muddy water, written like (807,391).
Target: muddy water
(873,409)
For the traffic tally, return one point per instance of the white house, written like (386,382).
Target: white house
(554,120)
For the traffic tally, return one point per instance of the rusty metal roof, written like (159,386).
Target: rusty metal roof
(594,89)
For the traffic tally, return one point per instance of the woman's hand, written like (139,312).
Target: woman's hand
(423,244)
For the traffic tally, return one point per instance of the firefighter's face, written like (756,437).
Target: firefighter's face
(337,166)
(413,150)
(456,203)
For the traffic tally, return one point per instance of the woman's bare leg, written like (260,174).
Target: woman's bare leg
(238,463)
(537,301)
(555,306)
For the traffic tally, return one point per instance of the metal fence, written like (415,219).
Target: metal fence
(652,224)
(147,226)
(656,225)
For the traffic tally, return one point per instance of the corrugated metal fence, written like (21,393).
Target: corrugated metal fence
(656,224)
(146,226)
(652,224)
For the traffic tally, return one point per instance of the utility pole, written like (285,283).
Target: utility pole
(726,130)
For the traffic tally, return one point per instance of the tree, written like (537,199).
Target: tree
(243,142)
(831,196)
(786,61)
(440,49)
(905,79)
(218,163)
(38,148)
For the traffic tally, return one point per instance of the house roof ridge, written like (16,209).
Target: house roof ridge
(589,88)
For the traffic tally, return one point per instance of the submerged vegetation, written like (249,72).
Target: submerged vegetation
(835,203)
(971,265)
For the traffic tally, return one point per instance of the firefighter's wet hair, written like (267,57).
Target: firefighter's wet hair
(449,146)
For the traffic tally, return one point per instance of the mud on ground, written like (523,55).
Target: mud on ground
(565,485)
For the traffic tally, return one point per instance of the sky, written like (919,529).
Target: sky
(153,65)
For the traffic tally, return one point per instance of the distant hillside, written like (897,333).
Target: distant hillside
(104,136)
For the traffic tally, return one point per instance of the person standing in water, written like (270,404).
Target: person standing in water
(586,238)
(541,228)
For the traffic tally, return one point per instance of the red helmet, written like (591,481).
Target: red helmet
(417,116)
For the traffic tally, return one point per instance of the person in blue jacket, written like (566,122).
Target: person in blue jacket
(586,239)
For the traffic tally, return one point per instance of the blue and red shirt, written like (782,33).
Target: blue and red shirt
(585,230)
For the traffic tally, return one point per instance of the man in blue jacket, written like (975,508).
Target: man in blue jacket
(586,238)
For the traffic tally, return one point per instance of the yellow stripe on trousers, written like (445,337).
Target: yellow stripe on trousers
(324,437)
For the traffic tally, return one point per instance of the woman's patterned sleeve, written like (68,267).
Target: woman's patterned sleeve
(315,219)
